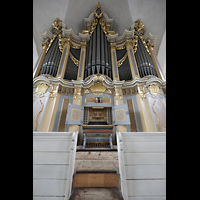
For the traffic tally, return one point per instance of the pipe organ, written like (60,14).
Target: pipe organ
(97,79)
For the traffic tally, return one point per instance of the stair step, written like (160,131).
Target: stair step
(91,160)
(80,148)
(95,179)
(96,193)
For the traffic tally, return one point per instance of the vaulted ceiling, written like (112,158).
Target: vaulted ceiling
(123,12)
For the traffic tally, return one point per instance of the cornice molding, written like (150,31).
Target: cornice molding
(121,39)
(49,80)
(46,35)
(145,81)
(69,33)
(89,19)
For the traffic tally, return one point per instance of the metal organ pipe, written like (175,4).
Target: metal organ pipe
(56,62)
(98,59)
(51,51)
(51,60)
(86,60)
(52,65)
(94,51)
(106,55)
(144,62)
(98,47)
(102,52)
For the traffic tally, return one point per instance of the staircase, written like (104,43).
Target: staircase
(96,175)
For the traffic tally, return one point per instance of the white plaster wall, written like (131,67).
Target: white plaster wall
(162,54)
(44,13)
(153,15)
(35,53)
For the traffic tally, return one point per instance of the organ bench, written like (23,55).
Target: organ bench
(97,138)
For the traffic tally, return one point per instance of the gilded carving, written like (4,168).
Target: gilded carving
(154,89)
(145,44)
(75,61)
(93,26)
(150,45)
(77,93)
(98,12)
(118,93)
(141,92)
(57,25)
(63,42)
(139,27)
(41,88)
(135,43)
(45,44)
(98,88)
(54,90)
(86,91)
(109,91)
(121,61)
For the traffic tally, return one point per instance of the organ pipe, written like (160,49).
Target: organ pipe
(51,60)
(97,55)
(144,62)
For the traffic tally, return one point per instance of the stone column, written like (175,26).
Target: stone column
(40,59)
(64,58)
(155,61)
(132,60)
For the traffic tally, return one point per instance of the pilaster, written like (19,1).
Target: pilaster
(118,100)
(77,100)
(50,111)
(115,71)
(132,60)
(82,61)
(145,113)
(64,57)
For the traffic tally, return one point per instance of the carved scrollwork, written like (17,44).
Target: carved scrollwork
(41,88)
